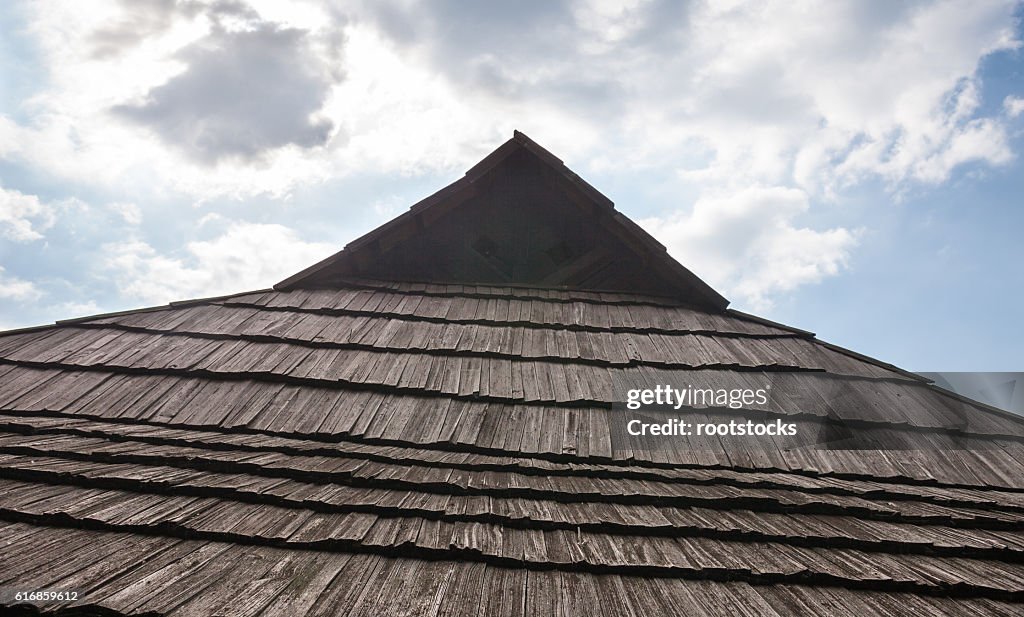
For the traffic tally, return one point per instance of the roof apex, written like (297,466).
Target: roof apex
(593,205)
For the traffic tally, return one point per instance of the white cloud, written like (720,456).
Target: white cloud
(856,95)
(139,56)
(245,92)
(747,243)
(246,256)
(14,288)
(129,212)
(23,217)
(1014,106)
(211,218)
(72,309)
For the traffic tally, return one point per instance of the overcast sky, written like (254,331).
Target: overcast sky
(851,168)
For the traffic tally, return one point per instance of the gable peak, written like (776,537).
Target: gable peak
(519,217)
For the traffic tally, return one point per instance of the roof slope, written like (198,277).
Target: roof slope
(452,445)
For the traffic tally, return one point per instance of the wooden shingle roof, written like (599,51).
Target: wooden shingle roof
(355,445)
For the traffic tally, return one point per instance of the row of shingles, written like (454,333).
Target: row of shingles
(491,291)
(36,558)
(680,349)
(380,479)
(221,520)
(915,529)
(256,405)
(408,414)
(497,379)
(129,573)
(372,331)
(726,339)
(184,577)
(260,443)
(506,310)
(459,429)
(571,382)
(335,323)
(568,295)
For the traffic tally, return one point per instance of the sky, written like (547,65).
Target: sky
(849,168)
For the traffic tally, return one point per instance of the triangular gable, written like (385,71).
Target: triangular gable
(519,217)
